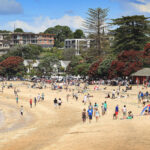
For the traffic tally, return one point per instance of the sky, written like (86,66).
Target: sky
(38,15)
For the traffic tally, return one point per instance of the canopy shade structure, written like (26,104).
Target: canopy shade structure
(145,72)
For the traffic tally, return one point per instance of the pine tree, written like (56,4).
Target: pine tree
(132,32)
(95,24)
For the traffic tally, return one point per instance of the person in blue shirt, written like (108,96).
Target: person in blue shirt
(90,114)
(117,111)
(142,95)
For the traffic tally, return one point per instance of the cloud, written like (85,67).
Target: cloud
(134,7)
(143,7)
(8,7)
(40,24)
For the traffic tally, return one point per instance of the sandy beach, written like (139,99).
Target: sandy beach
(46,128)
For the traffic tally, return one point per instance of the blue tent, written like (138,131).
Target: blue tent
(148,106)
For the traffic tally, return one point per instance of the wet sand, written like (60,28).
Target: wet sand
(45,128)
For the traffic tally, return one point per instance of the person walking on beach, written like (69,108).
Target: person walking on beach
(124,111)
(55,103)
(30,103)
(38,98)
(103,110)
(90,106)
(105,106)
(84,115)
(90,114)
(113,94)
(95,107)
(21,110)
(117,111)
(97,114)
(42,96)
(85,99)
(35,101)
(59,102)
(17,99)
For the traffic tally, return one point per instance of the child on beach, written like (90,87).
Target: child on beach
(84,115)
(97,114)
(30,103)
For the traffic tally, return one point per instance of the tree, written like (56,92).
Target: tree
(104,66)
(127,63)
(93,70)
(48,65)
(25,51)
(61,33)
(132,32)
(18,30)
(75,61)
(95,24)
(4,31)
(12,66)
(69,54)
(78,34)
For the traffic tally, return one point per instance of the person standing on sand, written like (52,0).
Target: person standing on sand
(124,111)
(38,98)
(21,110)
(90,114)
(59,102)
(95,107)
(84,115)
(17,99)
(30,103)
(103,110)
(97,114)
(42,96)
(105,106)
(117,111)
(85,99)
(55,103)
(35,101)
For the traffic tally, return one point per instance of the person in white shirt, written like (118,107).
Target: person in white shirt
(124,111)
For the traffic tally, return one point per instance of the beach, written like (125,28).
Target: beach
(46,128)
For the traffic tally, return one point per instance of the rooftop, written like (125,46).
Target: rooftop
(145,72)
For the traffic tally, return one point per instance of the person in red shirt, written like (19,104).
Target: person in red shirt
(30,103)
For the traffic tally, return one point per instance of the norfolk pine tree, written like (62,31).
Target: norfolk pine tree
(95,24)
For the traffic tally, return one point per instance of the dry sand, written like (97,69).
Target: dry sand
(46,128)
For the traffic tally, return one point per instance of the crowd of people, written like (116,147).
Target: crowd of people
(93,110)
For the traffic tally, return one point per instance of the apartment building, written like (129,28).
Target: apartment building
(8,40)
(77,44)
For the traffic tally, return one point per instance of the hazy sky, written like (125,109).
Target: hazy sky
(38,15)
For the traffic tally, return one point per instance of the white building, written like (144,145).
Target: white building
(77,44)
(35,63)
